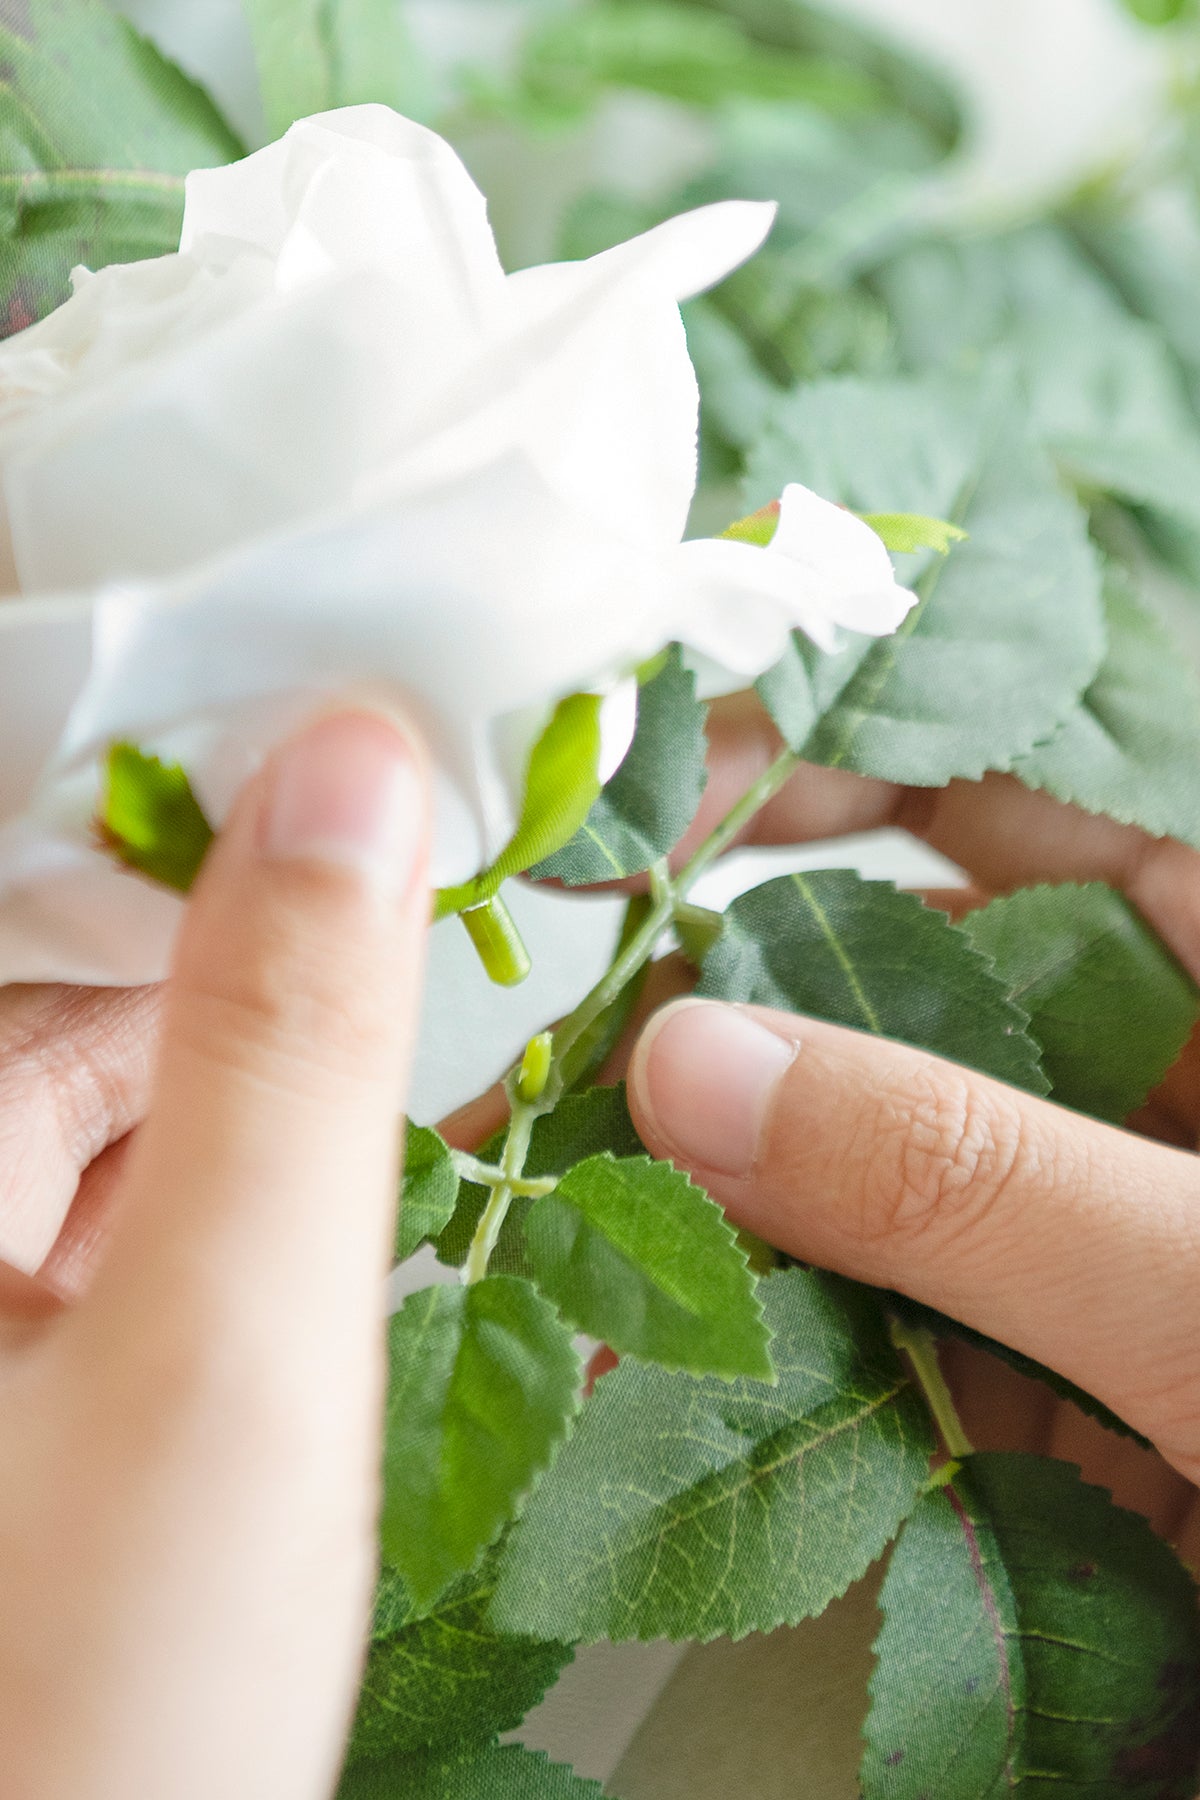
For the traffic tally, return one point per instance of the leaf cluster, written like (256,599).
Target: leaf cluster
(1017,411)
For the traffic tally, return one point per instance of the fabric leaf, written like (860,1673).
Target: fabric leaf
(446,1678)
(489,1772)
(860,953)
(151,820)
(484,1384)
(1108,1003)
(429,1191)
(1034,1635)
(1009,630)
(688,1508)
(633,1253)
(97,131)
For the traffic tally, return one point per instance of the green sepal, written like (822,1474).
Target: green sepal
(633,1253)
(906,533)
(644,810)
(757,528)
(687,1507)
(484,1383)
(561,785)
(150,820)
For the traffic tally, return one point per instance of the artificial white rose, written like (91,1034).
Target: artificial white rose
(331,445)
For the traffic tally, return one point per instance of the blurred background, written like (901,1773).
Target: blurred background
(985,190)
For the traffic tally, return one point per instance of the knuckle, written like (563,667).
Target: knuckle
(949,1148)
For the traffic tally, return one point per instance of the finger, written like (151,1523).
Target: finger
(260,1189)
(1073,1242)
(75,1071)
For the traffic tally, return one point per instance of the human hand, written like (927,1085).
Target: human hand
(1074,1243)
(190,1453)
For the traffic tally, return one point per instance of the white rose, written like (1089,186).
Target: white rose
(328,445)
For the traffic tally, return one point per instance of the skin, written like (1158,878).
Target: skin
(189,1448)
(186,1535)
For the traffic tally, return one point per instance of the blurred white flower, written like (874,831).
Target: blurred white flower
(331,445)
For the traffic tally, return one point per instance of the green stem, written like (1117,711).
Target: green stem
(648,920)
(512,1165)
(490,1176)
(921,1349)
(735,822)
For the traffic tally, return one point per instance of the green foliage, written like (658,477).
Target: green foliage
(860,953)
(632,1253)
(1128,749)
(1033,1633)
(570,61)
(1158,12)
(561,785)
(581,1126)
(97,132)
(484,1384)
(429,1191)
(1109,1005)
(446,1678)
(151,820)
(314,55)
(694,1509)
(645,809)
(930,702)
(485,1773)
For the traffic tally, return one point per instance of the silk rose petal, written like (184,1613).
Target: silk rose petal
(330,446)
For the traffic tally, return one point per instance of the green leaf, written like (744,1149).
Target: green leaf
(1109,1005)
(686,1508)
(97,131)
(1034,1634)
(446,1678)
(906,533)
(314,55)
(429,1192)
(561,786)
(151,820)
(484,1384)
(487,1773)
(1102,389)
(645,809)
(632,1253)
(676,51)
(581,1125)
(1158,12)
(1009,631)
(1128,750)
(860,953)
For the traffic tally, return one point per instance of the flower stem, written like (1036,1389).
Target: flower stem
(920,1347)
(648,920)
(512,1165)
(735,822)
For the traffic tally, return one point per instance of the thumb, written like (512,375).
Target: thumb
(1066,1239)
(260,1193)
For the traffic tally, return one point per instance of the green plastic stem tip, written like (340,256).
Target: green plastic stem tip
(501,948)
(535,1068)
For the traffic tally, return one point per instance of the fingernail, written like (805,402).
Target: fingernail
(705,1075)
(347,792)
